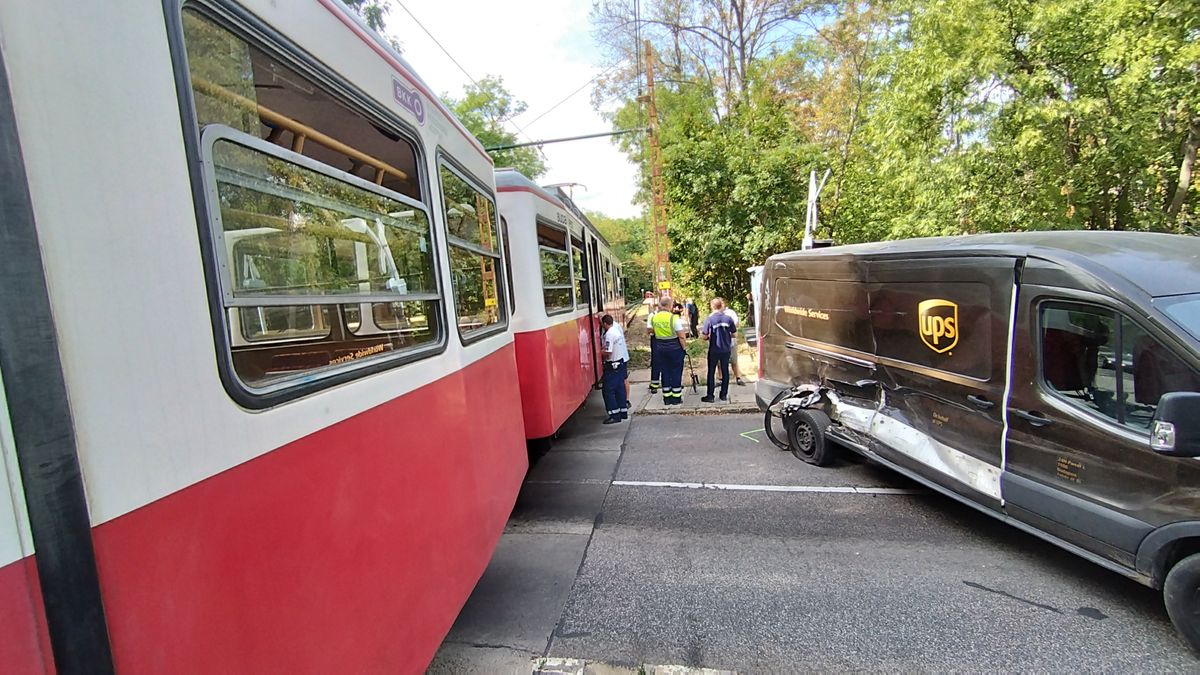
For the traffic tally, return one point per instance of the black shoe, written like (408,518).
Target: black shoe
(740,383)
(724,399)
(708,399)
(611,420)
(624,416)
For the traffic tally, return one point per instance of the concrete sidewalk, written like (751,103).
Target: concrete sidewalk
(741,397)
(741,400)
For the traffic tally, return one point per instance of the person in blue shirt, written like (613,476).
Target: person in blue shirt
(718,330)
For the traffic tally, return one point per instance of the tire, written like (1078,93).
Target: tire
(806,437)
(773,423)
(1181,595)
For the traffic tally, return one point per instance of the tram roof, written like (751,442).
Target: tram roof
(508,177)
(1158,263)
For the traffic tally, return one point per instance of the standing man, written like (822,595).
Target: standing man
(615,354)
(693,315)
(655,366)
(670,340)
(719,329)
(733,362)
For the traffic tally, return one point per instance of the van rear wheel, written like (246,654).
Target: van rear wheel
(806,437)
(1181,595)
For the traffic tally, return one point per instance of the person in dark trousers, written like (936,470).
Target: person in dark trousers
(670,335)
(693,316)
(616,355)
(655,368)
(718,330)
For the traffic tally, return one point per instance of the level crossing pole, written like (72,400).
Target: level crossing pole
(658,212)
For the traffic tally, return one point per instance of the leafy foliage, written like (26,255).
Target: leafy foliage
(632,242)
(484,109)
(936,116)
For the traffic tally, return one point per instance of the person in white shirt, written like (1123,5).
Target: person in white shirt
(733,362)
(615,354)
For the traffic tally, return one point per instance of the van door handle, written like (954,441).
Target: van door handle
(1034,417)
(980,402)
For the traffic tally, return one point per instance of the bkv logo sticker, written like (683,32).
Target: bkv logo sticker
(410,99)
(939,324)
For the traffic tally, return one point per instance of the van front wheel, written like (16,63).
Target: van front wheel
(806,437)
(1181,595)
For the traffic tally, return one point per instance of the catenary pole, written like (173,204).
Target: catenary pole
(658,212)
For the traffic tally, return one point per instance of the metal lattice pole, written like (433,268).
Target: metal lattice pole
(658,213)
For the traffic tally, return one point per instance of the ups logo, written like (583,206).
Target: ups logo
(938,321)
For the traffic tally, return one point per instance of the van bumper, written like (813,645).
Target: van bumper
(766,391)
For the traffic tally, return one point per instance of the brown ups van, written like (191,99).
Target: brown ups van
(1048,379)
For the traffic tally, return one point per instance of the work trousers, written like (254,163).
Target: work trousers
(655,369)
(613,383)
(670,362)
(718,358)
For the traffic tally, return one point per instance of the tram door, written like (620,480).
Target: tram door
(595,300)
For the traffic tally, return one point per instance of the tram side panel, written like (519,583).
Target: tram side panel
(551,328)
(555,372)
(341,530)
(24,642)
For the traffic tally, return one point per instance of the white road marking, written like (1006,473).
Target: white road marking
(847,489)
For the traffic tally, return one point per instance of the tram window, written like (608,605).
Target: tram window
(512,298)
(237,84)
(474,253)
(556,269)
(580,272)
(325,251)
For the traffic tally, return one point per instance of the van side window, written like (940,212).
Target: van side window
(322,241)
(1079,350)
(1149,371)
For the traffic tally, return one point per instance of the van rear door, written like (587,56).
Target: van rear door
(941,335)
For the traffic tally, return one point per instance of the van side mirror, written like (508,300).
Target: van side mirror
(1175,430)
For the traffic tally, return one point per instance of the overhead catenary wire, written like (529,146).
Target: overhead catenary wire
(570,95)
(456,63)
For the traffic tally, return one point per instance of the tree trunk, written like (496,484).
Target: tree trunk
(845,159)
(1186,165)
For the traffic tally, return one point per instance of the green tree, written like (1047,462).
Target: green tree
(485,109)
(373,12)
(632,241)
(937,117)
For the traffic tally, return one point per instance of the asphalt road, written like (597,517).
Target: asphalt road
(758,580)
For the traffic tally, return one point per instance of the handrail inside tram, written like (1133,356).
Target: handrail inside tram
(300,131)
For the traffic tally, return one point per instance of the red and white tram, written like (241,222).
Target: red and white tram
(260,407)
(564,277)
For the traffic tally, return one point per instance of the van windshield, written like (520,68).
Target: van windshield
(1185,311)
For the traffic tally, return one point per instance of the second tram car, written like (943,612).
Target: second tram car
(564,277)
(254,320)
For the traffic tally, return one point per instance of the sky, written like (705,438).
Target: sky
(543,50)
